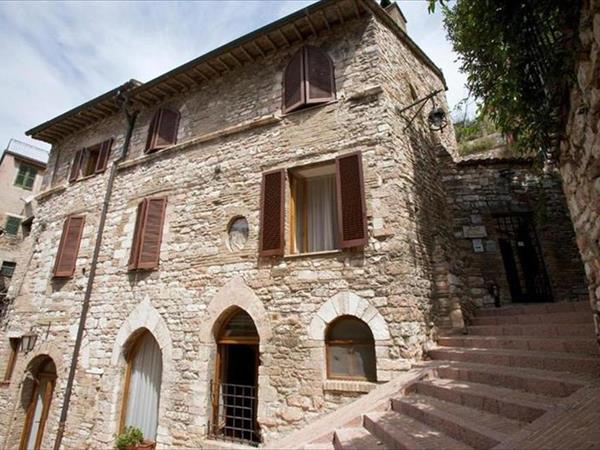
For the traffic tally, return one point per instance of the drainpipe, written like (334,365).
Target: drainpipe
(123,99)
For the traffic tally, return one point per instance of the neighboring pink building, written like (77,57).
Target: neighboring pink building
(22,167)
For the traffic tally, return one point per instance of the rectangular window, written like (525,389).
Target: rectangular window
(12,358)
(147,235)
(8,268)
(327,207)
(12,225)
(91,160)
(313,209)
(26,176)
(68,248)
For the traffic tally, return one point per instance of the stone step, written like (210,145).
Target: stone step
(523,379)
(540,308)
(551,344)
(518,405)
(539,330)
(399,431)
(561,362)
(531,319)
(472,426)
(319,446)
(357,439)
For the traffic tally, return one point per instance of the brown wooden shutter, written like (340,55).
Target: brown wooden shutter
(163,130)
(68,249)
(272,213)
(152,131)
(294,93)
(352,211)
(76,165)
(319,76)
(137,233)
(151,233)
(167,128)
(103,156)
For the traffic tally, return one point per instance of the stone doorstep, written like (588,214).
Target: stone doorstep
(346,416)
(213,444)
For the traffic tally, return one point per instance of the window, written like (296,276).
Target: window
(143,378)
(68,249)
(12,358)
(327,207)
(237,233)
(26,176)
(12,225)
(8,268)
(350,349)
(163,130)
(313,209)
(308,79)
(147,236)
(91,160)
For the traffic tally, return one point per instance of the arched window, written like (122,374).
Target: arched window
(142,386)
(39,390)
(308,79)
(350,350)
(163,130)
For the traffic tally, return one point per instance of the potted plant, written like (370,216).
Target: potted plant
(132,438)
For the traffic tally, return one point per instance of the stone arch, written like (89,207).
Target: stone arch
(145,317)
(348,304)
(236,293)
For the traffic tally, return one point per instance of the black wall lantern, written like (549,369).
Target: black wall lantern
(437,118)
(28,342)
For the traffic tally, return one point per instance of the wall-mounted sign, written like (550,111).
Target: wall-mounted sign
(477,245)
(474,232)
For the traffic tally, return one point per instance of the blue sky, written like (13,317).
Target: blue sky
(58,55)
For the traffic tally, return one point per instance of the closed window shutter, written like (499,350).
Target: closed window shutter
(137,234)
(319,76)
(68,249)
(163,130)
(352,211)
(76,166)
(148,253)
(272,213)
(294,94)
(103,156)
(167,128)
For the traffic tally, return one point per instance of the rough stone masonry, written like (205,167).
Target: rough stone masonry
(405,282)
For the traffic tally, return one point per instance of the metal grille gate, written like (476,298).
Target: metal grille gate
(234,417)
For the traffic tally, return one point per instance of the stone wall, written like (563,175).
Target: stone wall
(479,189)
(580,157)
(234,132)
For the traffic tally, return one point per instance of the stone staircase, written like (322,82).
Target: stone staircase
(515,364)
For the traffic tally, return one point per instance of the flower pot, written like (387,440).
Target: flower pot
(145,445)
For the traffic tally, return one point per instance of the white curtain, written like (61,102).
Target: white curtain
(144,388)
(321,212)
(37,413)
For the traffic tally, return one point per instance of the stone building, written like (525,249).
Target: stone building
(22,167)
(242,244)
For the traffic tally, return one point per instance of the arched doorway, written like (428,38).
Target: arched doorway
(38,387)
(143,377)
(235,386)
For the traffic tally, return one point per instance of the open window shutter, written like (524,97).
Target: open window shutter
(151,235)
(167,128)
(103,156)
(137,233)
(352,211)
(69,247)
(76,165)
(152,132)
(320,80)
(272,213)
(294,94)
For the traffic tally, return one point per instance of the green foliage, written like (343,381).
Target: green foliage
(469,129)
(477,146)
(129,437)
(518,56)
